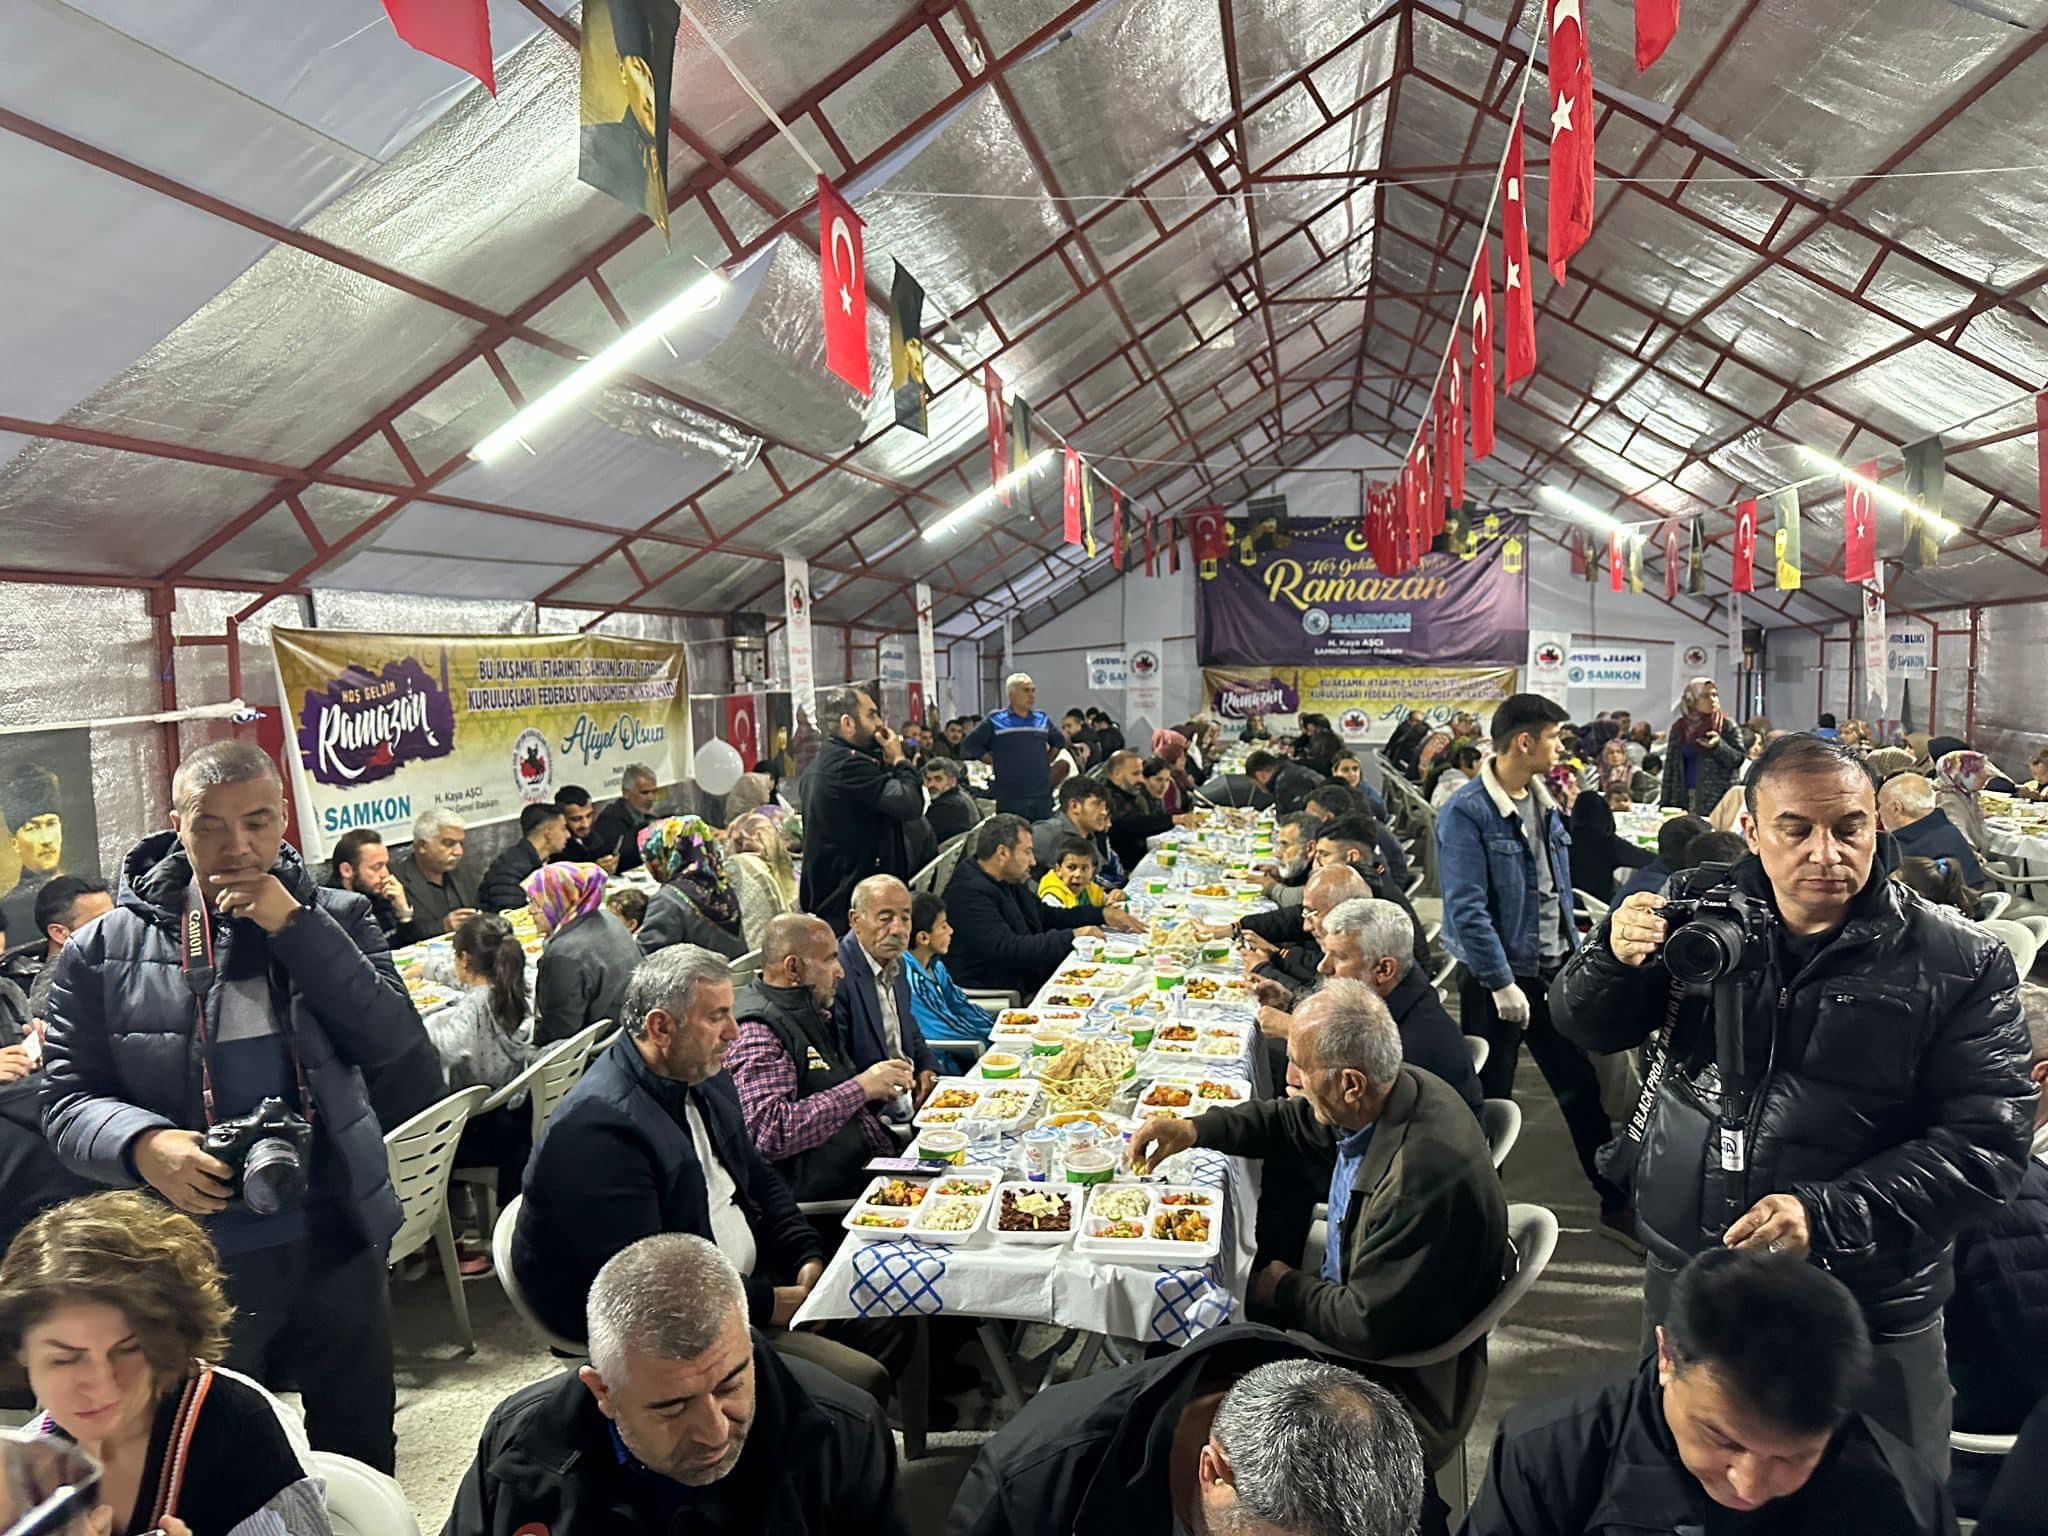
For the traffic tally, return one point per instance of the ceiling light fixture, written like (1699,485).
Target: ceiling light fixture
(1942,526)
(975,503)
(585,379)
(1585,511)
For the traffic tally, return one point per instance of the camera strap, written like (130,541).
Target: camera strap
(200,977)
(1657,1059)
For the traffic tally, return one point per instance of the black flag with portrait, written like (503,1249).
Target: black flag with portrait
(906,351)
(629,55)
(1022,448)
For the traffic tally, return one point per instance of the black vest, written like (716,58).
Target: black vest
(831,1170)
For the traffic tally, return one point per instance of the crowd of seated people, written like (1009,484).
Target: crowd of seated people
(659,1217)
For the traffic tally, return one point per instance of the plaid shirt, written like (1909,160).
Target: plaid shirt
(782,1124)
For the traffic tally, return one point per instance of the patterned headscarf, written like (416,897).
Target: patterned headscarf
(1170,745)
(564,892)
(1963,772)
(683,851)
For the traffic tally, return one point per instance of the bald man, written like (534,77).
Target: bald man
(1906,808)
(871,1009)
(1282,946)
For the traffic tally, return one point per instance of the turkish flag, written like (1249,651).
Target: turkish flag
(743,724)
(1617,565)
(845,284)
(915,699)
(1116,529)
(1571,134)
(1453,440)
(1859,526)
(1482,354)
(1070,499)
(1745,547)
(1671,560)
(1209,533)
(1656,25)
(998,427)
(456,32)
(1514,240)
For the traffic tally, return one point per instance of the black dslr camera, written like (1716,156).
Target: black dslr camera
(1712,929)
(267,1150)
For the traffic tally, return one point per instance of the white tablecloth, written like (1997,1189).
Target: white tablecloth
(2005,837)
(1155,1303)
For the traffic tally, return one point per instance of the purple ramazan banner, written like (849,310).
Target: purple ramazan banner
(1309,593)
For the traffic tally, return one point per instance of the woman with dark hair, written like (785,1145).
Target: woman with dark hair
(696,903)
(1455,767)
(114,1305)
(1705,750)
(589,956)
(1940,881)
(1598,850)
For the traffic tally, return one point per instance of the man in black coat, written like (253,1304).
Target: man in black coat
(651,1140)
(543,832)
(1242,1425)
(684,1419)
(1883,1040)
(1368,941)
(857,796)
(952,809)
(618,826)
(1745,1409)
(1134,816)
(1288,782)
(361,863)
(1004,938)
(301,1004)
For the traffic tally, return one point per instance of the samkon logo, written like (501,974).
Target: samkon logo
(1550,654)
(365,726)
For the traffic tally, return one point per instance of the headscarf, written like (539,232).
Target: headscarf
(564,892)
(1691,725)
(683,851)
(1613,775)
(758,836)
(1563,785)
(1170,745)
(1963,772)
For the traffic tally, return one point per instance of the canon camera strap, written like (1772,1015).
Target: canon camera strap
(200,976)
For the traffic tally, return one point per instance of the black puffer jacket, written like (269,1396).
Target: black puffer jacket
(1891,1094)
(122,1059)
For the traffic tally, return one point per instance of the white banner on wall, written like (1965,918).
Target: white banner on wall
(1607,666)
(1548,651)
(1108,671)
(1687,663)
(803,677)
(1908,650)
(927,655)
(892,661)
(1145,692)
(1876,642)
(1008,665)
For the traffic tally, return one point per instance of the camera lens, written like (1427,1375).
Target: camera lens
(1704,950)
(273,1179)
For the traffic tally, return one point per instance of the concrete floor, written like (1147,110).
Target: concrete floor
(1579,1324)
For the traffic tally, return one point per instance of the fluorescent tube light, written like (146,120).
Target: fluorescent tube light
(592,372)
(975,503)
(1942,526)
(1585,511)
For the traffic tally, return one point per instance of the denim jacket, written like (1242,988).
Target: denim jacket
(1489,880)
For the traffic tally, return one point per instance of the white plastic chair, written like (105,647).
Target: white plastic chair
(501,1261)
(2038,927)
(1501,1119)
(361,1501)
(746,968)
(545,1082)
(421,1155)
(933,876)
(1480,1049)
(969,1050)
(1532,1230)
(2019,939)
(1592,906)
(1993,905)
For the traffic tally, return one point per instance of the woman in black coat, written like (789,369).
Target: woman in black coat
(1597,848)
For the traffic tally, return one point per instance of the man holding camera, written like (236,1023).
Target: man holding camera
(209,1037)
(1869,1097)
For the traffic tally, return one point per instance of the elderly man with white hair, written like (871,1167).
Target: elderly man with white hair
(1906,808)
(1418,1239)
(1367,940)
(684,1418)
(1019,740)
(430,872)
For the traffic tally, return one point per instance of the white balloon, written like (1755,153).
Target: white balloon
(719,767)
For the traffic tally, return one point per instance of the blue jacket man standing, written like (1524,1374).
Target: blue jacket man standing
(1021,740)
(1504,856)
(871,1009)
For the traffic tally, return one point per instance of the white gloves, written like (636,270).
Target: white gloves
(1512,1004)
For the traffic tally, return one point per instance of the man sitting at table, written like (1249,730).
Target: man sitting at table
(1134,816)
(810,1111)
(1906,808)
(1083,813)
(1367,940)
(1294,841)
(1288,782)
(651,1140)
(1336,802)
(1242,1432)
(871,1006)
(949,809)
(1285,945)
(543,833)
(1353,840)
(1418,1235)
(1004,938)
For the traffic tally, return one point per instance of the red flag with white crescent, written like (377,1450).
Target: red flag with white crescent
(1745,547)
(1571,133)
(1859,525)
(1656,25)
(1482,354)
(1672,560)
(844,285)
(742,723)
(1515,278)
(1070,499)
(1452,442)
(998,427)
(1617,564)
